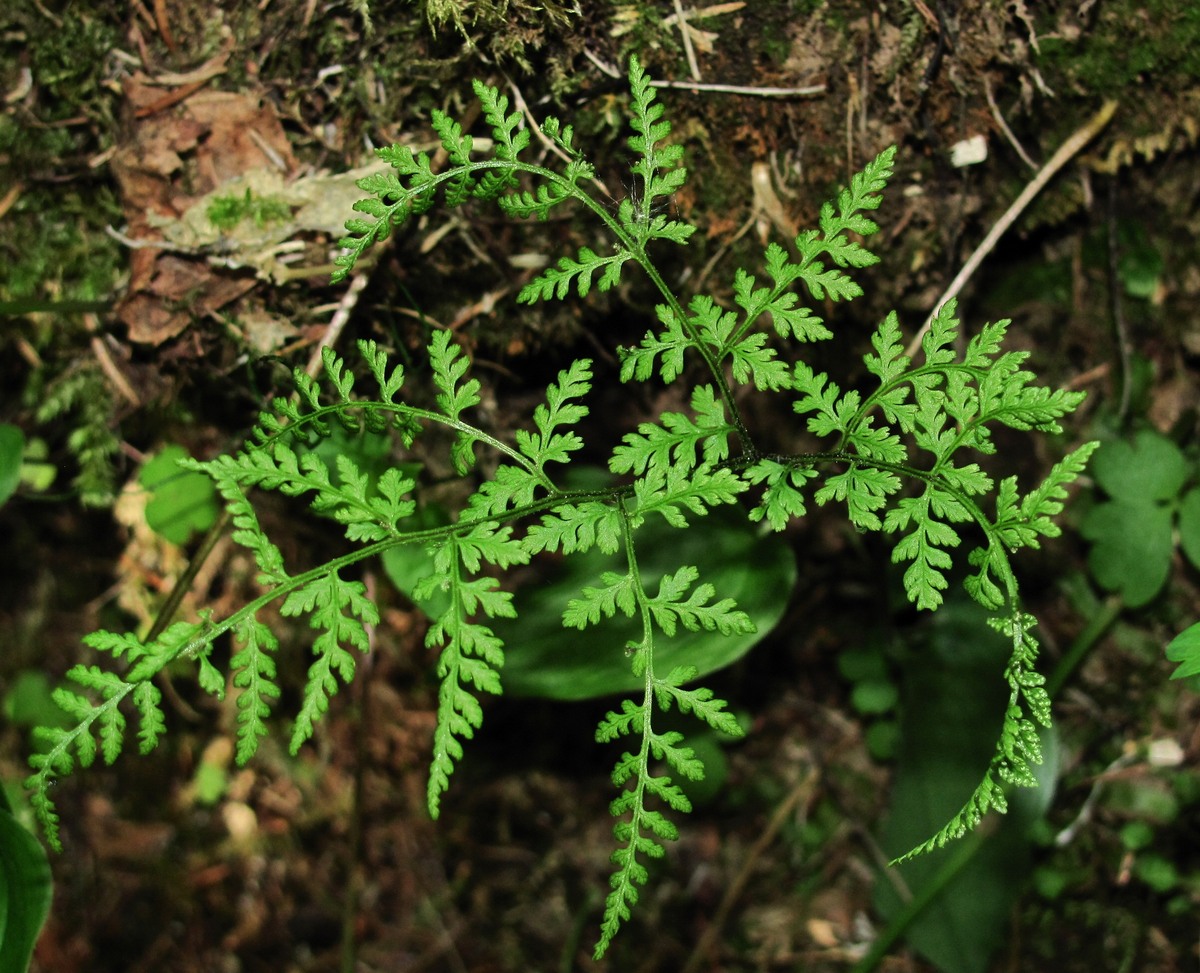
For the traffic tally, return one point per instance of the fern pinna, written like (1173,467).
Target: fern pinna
(897,455)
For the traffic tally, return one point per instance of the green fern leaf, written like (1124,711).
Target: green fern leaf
(1018,750)
(655,165)
(617,594)
(662,228)
(924,580)
(556,281)
(831,411)
(471,654)
(699,701)
(253,667)
(512,138)
(782,499)
(449,367)
(669,609)
(339,610)
(389,382)
(510,488)
(547,445)
(889,361)
(672,492)
(147,699)
(111,689)
(576,528)
(865,491)
(638,363)
(672,443)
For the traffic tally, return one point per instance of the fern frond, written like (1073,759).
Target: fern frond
(658,166)
(674,440)
(930,516)
(471,654)
(247,531)
(366,516)
(831,241)
(576,528)
(152,725)
(782,499)
(617,594)
(639,362)
(1021,527)
(84,395)
(1018,750)
(668,607)
(787,318)
(454,395)
(645,829)
(669,493)
(750,356)
(547,445)
(340,610)
(512,138)
(389,382)
(865,491)
(821,399)
(699,701)
(509,488)
(253,668)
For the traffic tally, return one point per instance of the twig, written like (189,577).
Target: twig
(1084,815)
(268,150)
(730,89)
(172,98)
(140,244)
(1008,132)
(107,365)
(338,322)
(521,105)
(707,939)
(1124,349)
(738,89)
(1066,151)
(686,30)
(10,198)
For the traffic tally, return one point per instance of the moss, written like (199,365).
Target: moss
(226,212)
(1129,43)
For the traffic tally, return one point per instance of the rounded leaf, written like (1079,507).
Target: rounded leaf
(1189,525)
(1149,468)
(12,451)
(1132,548)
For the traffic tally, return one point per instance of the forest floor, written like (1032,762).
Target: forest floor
(129,325)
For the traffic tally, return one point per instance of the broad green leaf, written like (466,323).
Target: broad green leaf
(544,659)
(25,891)
(1189,525)
(1185,649)
(1132,546)
(183,501)
(12,451)
(1149,468)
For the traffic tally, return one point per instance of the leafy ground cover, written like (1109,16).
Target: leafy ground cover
(225,134)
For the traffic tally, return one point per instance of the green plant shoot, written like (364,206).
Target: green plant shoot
(900,457)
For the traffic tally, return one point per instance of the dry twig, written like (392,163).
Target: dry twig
(1066,151)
